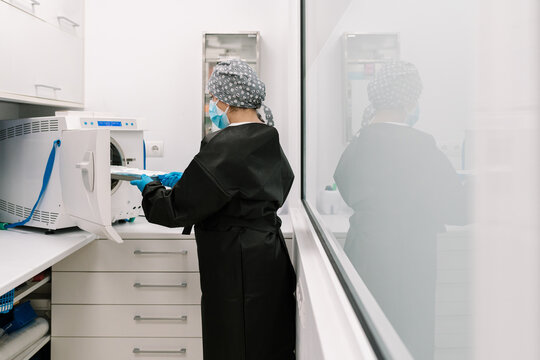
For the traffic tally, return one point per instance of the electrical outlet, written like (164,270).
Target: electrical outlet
(154,148)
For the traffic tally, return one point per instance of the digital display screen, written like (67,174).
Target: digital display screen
(109,123)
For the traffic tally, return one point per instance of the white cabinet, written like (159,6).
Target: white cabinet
(42,53)
(60,71)
(139,299)
(126,288)
(134,255)
(67,15)
(127,320)
(32,7)
(85,348)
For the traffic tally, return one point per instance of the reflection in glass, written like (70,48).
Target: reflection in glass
(407,105)
(403,191)
(389,148)
(364,55)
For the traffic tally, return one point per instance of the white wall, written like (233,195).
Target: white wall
(144,59)
(507,109)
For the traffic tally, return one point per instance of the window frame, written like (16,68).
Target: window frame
(384,340)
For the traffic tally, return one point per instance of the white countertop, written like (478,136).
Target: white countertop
(337,223)
(142,229)
(25,252)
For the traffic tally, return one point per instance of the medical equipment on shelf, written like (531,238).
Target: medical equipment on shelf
(80,191)
(23,314)
(14,345)
(6,301)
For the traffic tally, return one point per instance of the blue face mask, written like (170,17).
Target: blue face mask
(413,116)
(218,117)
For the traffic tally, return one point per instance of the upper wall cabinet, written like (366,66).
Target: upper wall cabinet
(42,47)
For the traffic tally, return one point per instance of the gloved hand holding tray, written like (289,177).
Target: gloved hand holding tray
(128,174)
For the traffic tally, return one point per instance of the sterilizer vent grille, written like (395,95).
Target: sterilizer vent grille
(53,125)
(45,217)
(29,128)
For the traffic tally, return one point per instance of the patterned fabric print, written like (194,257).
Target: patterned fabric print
(397,85)
(235,83)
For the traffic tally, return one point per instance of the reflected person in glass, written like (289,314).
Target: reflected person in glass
(403,190)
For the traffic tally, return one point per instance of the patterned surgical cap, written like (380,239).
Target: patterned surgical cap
(235,82)
(396,85)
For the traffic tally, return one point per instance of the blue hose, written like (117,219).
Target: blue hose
(144,154)
(46,178)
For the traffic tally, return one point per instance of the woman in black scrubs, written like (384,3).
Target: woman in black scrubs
(231,192)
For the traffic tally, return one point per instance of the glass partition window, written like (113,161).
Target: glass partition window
(414,145)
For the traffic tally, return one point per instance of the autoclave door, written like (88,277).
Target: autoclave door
(86,180)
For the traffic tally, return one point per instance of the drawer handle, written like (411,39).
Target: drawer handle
(181,285)
(34,2)
(139,351)
(140,252)
(181,318)
(73,23)
(55,88)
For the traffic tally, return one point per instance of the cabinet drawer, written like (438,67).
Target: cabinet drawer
(126,320)
(125,288)
(133,255)
(70,348)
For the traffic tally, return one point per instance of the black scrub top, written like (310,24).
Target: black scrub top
(231,192)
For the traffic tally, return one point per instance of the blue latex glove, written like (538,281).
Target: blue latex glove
(145,179)
(170,179)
